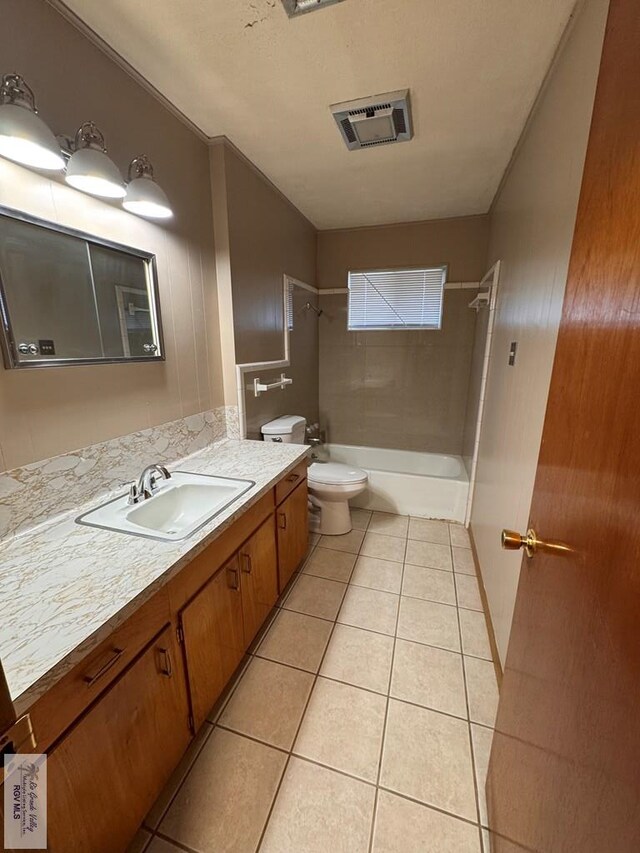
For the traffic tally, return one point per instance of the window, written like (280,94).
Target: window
(396,299)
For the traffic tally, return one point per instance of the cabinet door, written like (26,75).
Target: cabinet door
(293,533)
(105,774)
(213,638)
(259,578)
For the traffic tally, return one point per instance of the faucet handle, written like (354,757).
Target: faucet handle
(134,494)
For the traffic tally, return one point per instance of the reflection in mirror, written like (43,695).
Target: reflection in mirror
(69,298)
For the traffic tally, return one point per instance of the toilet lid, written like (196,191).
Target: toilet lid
(335,474)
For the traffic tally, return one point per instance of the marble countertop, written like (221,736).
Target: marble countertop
(65,587)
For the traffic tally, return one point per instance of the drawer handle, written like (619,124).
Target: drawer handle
(292,478)
(231,572)
(167,669)
(91,678)
(282,521)
(247,563)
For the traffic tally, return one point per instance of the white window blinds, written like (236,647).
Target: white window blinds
(396,299)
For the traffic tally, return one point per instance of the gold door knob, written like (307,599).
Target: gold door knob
(513,541)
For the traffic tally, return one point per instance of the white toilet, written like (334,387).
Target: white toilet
(331,484)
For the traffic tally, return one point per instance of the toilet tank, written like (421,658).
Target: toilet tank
(289,429)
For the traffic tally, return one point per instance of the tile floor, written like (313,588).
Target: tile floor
(362,717)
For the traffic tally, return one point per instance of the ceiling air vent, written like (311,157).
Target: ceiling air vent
(300,7)
(379,120)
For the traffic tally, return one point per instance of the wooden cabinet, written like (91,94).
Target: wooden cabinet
(258,578)
(105,774)
(213,637)
(293,532)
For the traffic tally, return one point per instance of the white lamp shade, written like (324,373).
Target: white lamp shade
(91,171)
(146,198)
(26,139)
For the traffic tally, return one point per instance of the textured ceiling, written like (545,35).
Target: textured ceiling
(241,68)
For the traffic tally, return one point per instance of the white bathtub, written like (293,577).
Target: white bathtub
(430,485)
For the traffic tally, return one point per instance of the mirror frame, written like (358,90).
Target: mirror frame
(8,343)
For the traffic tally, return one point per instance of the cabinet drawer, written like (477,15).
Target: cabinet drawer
(292,479)
(60,706)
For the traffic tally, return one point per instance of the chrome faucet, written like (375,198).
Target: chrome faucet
(147,483)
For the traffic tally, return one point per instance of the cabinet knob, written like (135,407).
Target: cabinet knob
(90,678)
(282,521)
(233,573)
(247,564)
(165,666)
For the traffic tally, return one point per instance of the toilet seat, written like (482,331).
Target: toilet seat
(335,474)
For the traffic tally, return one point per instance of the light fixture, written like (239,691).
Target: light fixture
(144,196)
(300,7)
(89,169)
(24,137)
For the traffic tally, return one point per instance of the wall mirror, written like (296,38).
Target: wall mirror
(68,298)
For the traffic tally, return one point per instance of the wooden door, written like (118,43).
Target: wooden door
(213,638)
(292,518)
(564,773)
(107,772)
(259,578)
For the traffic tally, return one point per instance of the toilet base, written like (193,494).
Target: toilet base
(335,518)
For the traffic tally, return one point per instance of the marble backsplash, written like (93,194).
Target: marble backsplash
(44,490)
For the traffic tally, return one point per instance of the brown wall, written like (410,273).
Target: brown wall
(45,412)
(399,389)
(267,239)
(531,233)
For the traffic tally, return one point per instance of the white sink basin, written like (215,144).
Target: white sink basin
(178,508)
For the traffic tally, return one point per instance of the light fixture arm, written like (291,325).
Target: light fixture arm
(140,167)
(14,90)
(89,135)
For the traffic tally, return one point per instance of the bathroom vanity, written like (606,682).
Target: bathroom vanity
(116,718)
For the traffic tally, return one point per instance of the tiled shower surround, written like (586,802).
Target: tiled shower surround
(36,493)
(402,389)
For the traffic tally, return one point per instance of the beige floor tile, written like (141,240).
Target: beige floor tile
(160,845)
(468,592)
(459,536)
(463,561)
(371,572)
(389,524)
(427,756)
(268,703)
(349,542)
(475,640)
(481,738)
(315,597)
(359,657)
(405,827)
(384,547)
(430,623)
(296,639)
(429,531)
(230,814)
(430,677)
(429,554)
(370,609)
(342,728)
(360,518)
(317,811)
(176,779)
(430,584)
(482,688)
(334,565)
(140,842)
